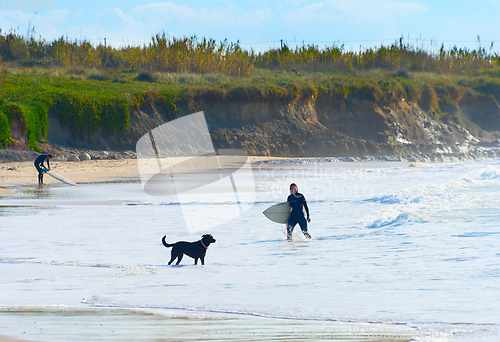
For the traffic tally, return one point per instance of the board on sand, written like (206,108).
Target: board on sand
(59,177)
(279,213)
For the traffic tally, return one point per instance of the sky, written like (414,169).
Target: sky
(261,25)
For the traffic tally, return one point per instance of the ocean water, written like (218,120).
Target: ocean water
(414,250)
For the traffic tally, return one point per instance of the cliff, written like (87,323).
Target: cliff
(271,114)
(322,123)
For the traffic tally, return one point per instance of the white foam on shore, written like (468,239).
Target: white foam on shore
(54,323)
(441,155)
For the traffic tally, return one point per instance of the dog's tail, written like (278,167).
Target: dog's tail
(165,242)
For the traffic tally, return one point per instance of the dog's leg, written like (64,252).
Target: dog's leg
(196,261)
(202,260)
(179,258)
(173,255)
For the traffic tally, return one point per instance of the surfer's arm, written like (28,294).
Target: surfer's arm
(307,211)
(48,165)
(306,207)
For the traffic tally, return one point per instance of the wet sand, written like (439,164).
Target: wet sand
(85,171)
(111,324)
(88,171)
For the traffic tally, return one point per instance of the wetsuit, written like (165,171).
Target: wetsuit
(39,164)
(297,201)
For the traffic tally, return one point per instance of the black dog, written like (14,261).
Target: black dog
(195,250)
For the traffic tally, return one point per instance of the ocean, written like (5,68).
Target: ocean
(397,252)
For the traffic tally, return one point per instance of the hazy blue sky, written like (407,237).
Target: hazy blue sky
(261,24)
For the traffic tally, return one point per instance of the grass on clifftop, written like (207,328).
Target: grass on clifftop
(205,56)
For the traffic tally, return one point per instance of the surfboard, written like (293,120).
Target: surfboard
(279,213)
(59,177)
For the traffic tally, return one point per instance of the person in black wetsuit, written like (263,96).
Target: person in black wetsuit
(297,201)
(39,164)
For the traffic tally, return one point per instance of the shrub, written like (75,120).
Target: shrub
(99,75)
(5,135)
(34,118)
(146,76)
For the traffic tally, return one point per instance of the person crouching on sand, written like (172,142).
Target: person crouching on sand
(39,164)
(297,201)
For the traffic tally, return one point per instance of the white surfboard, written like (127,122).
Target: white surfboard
(59,177)
(279,213)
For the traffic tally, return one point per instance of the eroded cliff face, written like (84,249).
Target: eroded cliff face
(313,124)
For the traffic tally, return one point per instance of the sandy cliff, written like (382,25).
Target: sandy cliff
(321,123)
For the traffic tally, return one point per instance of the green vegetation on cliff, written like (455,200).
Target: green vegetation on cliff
(94,88)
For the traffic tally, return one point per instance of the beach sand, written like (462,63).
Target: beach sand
(85,171)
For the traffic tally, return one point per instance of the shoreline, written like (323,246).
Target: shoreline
(127,324)
(100,170)
(15,173)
